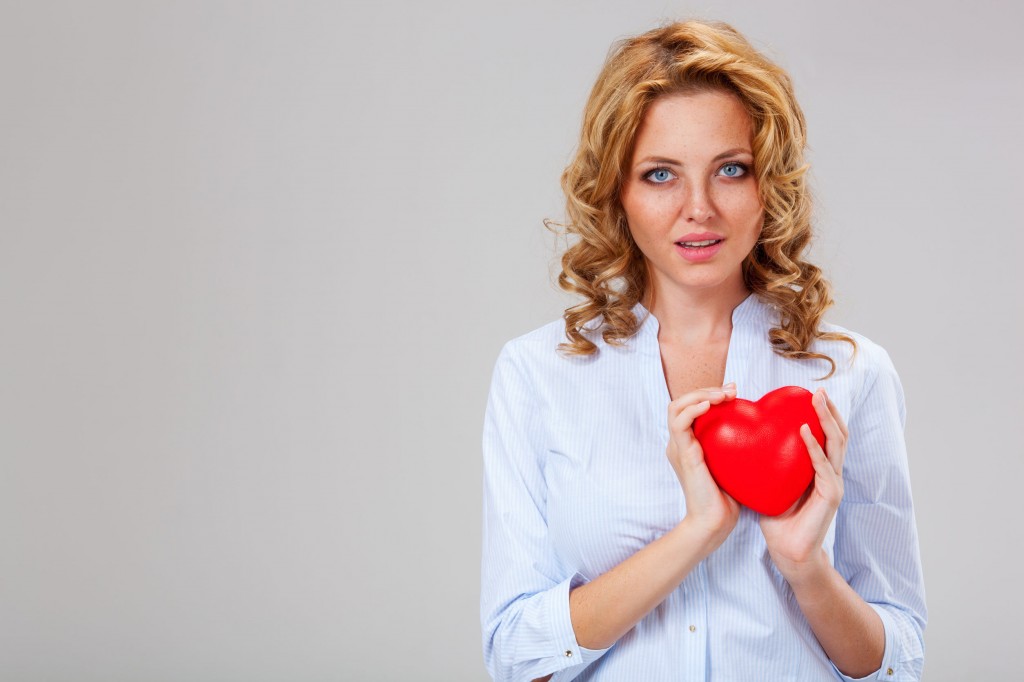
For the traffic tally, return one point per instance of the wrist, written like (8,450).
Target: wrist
(705,534)
(806,573)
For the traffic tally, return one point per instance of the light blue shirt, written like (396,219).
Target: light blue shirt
(576,480)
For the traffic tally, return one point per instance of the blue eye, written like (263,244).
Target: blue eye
(659,176)
(733,170)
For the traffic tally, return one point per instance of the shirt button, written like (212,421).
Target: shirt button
(693,628)
(568,654)
(888,671)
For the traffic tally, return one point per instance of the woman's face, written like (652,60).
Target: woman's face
(690,195)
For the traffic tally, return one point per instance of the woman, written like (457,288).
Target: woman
(610,553)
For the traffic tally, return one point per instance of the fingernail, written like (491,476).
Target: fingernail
(730,384)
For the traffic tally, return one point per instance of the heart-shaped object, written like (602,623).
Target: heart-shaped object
(754,449)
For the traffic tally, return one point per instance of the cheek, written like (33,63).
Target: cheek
(743,209)
(648,212)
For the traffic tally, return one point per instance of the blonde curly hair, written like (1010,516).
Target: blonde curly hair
(604,264)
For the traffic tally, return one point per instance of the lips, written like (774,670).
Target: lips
(697,247)
(696,240)
(699,244)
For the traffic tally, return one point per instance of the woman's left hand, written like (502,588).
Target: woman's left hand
(795,537)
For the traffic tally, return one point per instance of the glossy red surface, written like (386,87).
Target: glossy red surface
(754,449)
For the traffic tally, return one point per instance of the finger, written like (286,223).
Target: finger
(714,395)
(827,482)
(684,420)
(835,440)
(835,414)
(834,411)
(729,499)
(819,460)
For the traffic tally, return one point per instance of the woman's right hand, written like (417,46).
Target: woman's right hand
(607,607)
(708,508)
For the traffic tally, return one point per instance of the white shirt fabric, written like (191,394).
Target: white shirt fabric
(576,480)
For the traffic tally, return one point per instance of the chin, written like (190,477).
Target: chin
(716,280)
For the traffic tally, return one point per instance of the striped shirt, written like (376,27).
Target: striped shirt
(576,480)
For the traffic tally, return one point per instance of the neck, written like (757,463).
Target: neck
(694,316)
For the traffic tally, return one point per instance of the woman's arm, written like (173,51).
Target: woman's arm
(867,612)
(610,605)
(849,630)
(607,607)
(876,545)
(536,619)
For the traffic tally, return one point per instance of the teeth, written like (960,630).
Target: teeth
(706,242)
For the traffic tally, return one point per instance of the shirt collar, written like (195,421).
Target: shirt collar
(749,311)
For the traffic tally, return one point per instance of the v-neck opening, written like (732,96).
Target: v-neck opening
(740,314)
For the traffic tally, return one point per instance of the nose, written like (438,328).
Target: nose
(697,207)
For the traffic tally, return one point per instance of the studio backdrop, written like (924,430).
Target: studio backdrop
(257,260)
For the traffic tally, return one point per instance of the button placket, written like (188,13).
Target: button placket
(697,627)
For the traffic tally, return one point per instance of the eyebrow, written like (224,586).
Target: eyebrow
(674,162)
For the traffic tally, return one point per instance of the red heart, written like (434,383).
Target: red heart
(754,449)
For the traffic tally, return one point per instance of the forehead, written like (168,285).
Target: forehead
(694,122)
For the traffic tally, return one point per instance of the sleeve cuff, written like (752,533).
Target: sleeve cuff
(573,657)
(890,670)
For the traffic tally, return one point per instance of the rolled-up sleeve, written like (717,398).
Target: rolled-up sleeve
(876,547)
(524,601)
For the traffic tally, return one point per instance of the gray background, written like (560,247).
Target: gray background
(257,260)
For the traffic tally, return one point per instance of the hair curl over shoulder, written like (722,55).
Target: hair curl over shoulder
(604,265)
